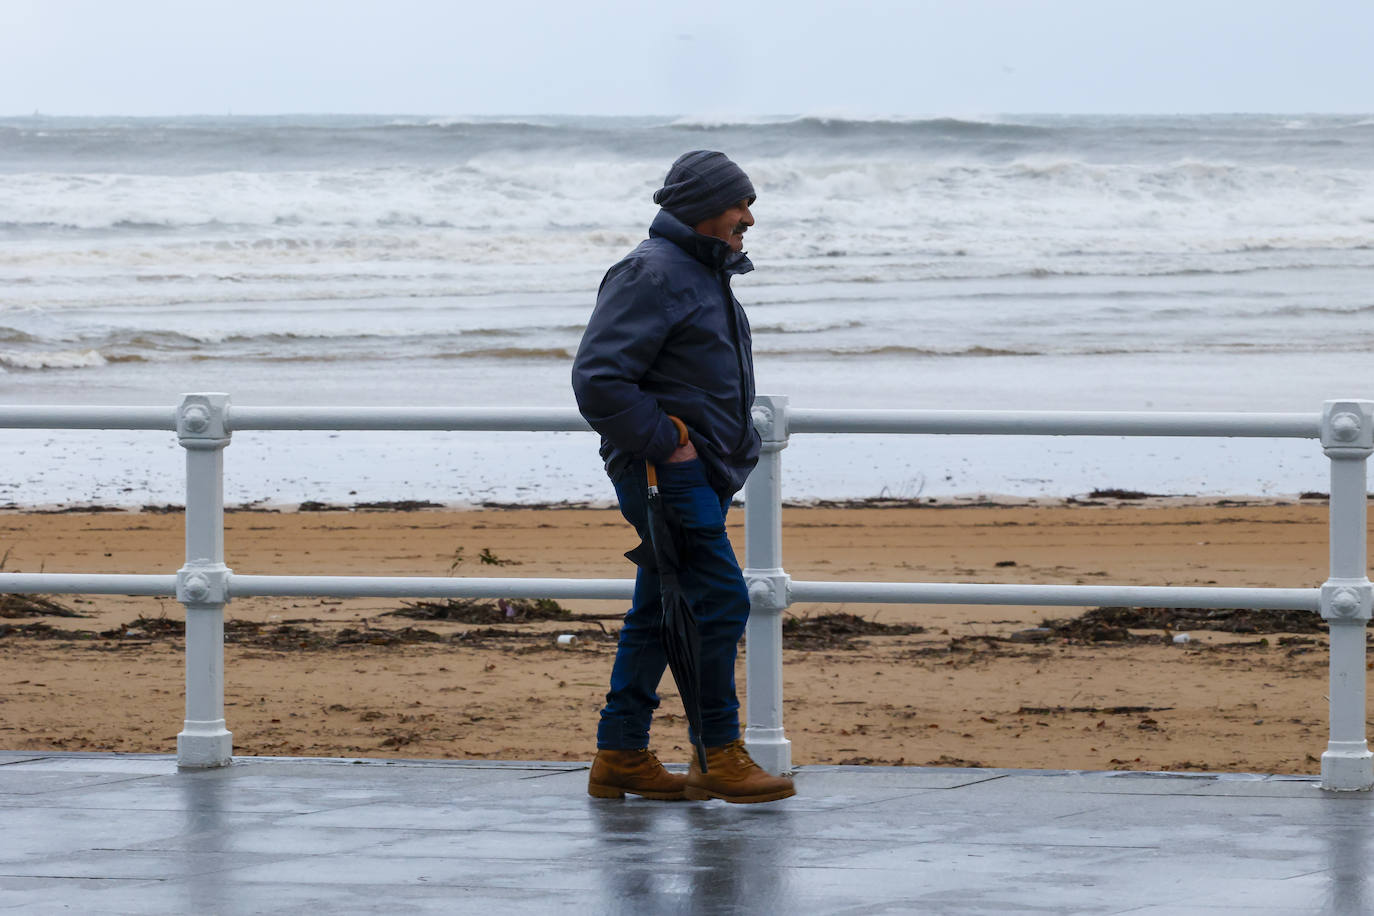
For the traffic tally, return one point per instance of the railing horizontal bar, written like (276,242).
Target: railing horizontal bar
(800,420)
(85,584)
(1055,423)
(511,419)
(58,416)
(1301,599)
(243,586)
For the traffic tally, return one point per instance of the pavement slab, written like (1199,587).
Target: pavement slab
(112,833)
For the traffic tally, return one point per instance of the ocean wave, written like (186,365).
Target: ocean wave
(842,125)
(352,357)
(80,148)
(558,353)
(1299,310)
(173,342)
(495,196)
(474,121)
(114,293)
(465,211)
(55,359)
(540,216)
(897,350)
(14,335)
(712,122)
(787,283)
(162,340)
(818,326)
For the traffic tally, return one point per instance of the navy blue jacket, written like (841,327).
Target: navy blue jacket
(668,336)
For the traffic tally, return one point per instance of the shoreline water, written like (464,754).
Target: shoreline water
(1113,498)
(134,469)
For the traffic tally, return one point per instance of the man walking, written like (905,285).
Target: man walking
(665,374)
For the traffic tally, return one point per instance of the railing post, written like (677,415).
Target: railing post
(769,588)
(1347,436)
(203,583)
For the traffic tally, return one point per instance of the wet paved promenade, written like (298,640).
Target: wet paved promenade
(103,833)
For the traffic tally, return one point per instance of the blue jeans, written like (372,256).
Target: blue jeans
(715,587)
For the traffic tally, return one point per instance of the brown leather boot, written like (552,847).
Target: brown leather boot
(734,776)
(637,772)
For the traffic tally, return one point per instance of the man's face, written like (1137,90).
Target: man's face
(729,226)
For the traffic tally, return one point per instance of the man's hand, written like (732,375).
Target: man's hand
(685,450)
(683,453)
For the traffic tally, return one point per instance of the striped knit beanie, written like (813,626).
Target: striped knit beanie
(702,184)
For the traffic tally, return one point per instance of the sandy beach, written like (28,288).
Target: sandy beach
(893,684)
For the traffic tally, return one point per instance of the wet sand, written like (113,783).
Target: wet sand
(333,677)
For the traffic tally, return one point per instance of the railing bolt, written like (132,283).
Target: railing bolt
(197,587)
(1345,427)
(196,418)
(759,592)
(1345,603)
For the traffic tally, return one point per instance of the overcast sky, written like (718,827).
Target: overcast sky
(921,57)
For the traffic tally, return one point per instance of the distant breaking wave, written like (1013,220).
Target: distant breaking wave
(809,125)
(821,326)
(896,350)
(509,201)
(57,359)
(557,353)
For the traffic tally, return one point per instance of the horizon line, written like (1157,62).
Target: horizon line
(723,118)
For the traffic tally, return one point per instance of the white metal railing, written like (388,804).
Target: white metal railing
(204,424)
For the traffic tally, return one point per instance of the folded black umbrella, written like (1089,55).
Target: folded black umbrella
(668,545)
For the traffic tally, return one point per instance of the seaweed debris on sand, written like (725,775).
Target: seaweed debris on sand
(837,630)
(15,606)
(502,610)
(306,634)
(1114,624)
(477,610)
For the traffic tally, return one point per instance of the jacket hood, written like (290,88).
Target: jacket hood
(713,252)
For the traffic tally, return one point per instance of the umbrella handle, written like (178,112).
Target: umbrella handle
(681,430)
(650,471)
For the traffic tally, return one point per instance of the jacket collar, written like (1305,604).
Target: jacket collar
(714,253)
